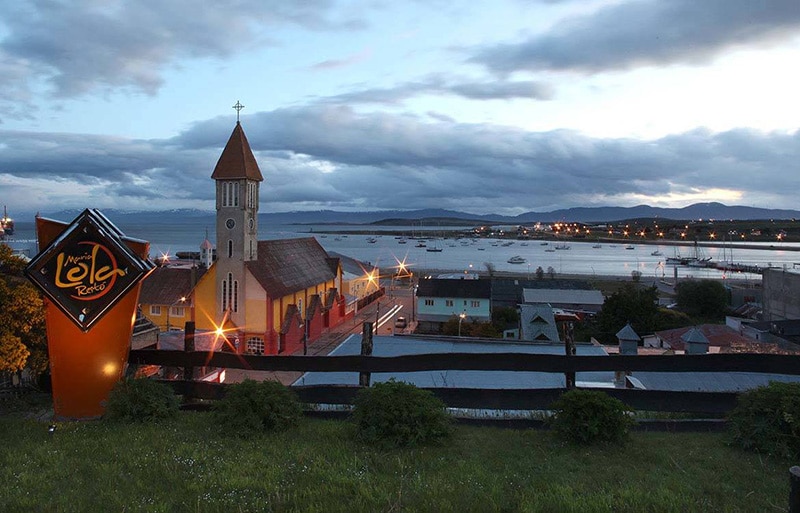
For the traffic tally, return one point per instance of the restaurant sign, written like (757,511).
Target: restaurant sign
(87,269)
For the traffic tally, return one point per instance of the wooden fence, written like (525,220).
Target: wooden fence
(712,403)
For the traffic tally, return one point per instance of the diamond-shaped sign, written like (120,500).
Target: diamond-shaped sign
(87,269)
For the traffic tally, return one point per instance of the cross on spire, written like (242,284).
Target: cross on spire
(238,107)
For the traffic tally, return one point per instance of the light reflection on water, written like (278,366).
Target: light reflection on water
(467,254)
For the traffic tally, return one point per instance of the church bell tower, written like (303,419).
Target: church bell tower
(237,179)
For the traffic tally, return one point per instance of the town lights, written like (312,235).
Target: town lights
(461,317)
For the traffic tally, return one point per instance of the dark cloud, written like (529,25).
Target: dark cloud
(438,85)
(333,157)
(647,32)
(84,46)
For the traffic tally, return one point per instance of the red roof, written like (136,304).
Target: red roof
(718,335)
(285,266)
(237,160)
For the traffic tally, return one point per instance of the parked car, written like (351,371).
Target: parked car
(400,322)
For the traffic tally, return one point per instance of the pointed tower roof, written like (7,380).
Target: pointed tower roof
(237,160)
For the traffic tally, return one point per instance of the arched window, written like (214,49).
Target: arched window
(230,248)
(224,296)
(236,296)
(230,289)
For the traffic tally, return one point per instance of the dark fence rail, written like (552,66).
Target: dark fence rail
(761,363)
(486,399)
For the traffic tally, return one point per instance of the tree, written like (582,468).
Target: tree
(551,272)
(23,338)
(702,298)
(630,303)
(539,273)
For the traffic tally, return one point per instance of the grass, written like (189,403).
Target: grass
(187,464)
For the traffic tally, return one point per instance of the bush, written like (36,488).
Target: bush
(398,414)
(587,417)
(251,407)
(141,400)
(767,420)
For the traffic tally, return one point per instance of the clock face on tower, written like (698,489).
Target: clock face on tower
(230,223)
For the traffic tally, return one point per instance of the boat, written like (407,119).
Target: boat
(421,244)
(562,246)
(597,246)
(550,250)
(630,246)
(6,225)
(434,249)
(656,253)
(372,240)
(516,260)
(543,243)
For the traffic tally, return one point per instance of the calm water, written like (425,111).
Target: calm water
(464,255)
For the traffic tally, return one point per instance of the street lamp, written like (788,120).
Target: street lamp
(461,317)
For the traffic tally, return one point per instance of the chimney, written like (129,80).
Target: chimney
(628,346)
(694,342)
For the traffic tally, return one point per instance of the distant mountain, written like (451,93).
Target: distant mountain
(452,217)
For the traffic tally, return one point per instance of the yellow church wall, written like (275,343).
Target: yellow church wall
(283,303)
(255,303)
(204,296)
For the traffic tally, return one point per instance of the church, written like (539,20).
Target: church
(270,296)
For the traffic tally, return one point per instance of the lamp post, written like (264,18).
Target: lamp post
(461,317)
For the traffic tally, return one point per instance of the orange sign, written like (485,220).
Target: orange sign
(87,269)
(90,273)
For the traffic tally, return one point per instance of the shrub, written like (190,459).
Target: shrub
(587,417)
(767,420)
(252,406)
(140,400)
(398,414)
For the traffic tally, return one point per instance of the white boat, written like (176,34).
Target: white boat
(516,260)
(562,245)
(656,253)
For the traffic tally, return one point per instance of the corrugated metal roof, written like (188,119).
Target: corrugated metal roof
(237,160)
(561,296)
(627,333)
(352,266)
(285,266)
(397,346)
(718,335)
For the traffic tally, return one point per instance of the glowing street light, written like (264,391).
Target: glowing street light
(461,317)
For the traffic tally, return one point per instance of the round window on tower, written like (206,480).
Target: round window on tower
(230,223)
(251,224)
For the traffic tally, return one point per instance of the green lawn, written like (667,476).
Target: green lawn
(187,464)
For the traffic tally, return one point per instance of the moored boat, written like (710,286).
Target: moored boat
(516,260)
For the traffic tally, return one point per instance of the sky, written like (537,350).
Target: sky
(501,106)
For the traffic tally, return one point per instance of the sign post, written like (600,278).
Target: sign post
(90,274)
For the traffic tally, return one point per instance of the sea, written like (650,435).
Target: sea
(465,255)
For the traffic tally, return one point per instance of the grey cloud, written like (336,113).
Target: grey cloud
(83,46)
(320,157)
(647,32)
(437,85)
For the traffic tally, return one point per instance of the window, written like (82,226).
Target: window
(177,311)
(155,310)
(448,302)
(255,345)
(230,194)
(429,302)
(236,296)
(230,248)
(229,288)
(475,304)
(224,295)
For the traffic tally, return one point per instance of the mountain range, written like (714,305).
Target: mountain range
(444,217)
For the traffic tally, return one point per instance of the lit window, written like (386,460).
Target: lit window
(177,311)
(155,310)
(475,304)
(255,345)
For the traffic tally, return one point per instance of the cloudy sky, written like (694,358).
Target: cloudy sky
(501,106)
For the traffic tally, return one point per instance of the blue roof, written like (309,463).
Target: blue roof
(708,381)
(397,346)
